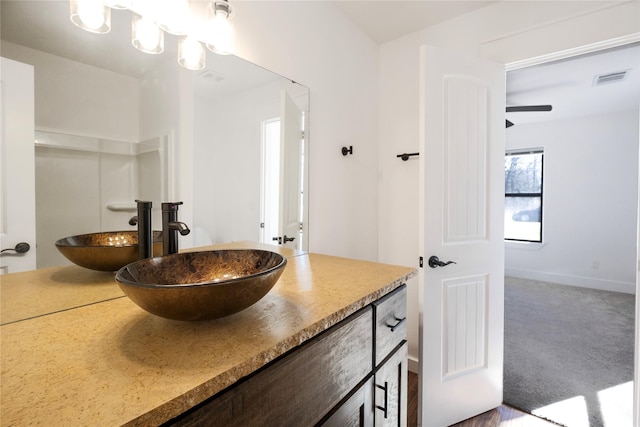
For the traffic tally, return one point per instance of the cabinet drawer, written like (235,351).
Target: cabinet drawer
(298,389)
(390,321)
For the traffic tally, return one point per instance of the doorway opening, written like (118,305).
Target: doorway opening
(282,195)
(590,142)
(270,182)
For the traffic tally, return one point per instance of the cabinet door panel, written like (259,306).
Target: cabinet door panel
(355,412)
(390,394)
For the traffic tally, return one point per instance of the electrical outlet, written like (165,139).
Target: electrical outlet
(595,264)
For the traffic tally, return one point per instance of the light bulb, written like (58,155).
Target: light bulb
(146,36)
(191,54)
(91,15)
(220,30)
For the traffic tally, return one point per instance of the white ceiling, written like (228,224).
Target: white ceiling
(568,86)
(390,19)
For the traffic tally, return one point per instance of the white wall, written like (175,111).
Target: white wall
(314,44)
(79,99)
(63,211)
(590,200)
(505,32)
(227,138)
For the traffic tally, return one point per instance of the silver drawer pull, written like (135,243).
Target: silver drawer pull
(399,322)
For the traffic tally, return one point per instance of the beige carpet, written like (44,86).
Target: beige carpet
(569,353)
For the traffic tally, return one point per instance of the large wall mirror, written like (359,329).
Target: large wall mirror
(113,124)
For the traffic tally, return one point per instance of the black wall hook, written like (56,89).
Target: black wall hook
(405,156)
(346,150)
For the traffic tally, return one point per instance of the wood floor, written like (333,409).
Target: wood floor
(504,416)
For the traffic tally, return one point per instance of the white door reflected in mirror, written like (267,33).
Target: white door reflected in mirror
(281,187)
(270,184)
(17,182)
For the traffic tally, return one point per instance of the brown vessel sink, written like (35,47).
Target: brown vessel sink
(105,251)
(201,285)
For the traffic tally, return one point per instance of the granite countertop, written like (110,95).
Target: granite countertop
(108,362)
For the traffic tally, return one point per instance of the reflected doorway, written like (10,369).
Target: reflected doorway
(282,177)
(270,183)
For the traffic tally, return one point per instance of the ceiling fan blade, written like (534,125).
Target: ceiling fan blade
(522,108)
(509,123)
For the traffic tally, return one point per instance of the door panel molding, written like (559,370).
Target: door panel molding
(464,326)
(465,131)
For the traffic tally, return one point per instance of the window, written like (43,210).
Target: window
(523,196)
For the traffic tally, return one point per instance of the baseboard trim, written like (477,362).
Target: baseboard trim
(563,279)
(413,365)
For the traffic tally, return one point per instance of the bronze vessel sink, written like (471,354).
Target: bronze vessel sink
(105,251)
(201,285)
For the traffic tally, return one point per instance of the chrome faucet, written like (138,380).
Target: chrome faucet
(145,235)
(171,227)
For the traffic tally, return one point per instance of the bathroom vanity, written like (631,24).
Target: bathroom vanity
(326,345)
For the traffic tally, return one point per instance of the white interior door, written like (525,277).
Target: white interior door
(17,172)
(290,170)
(270,182)
(462,204)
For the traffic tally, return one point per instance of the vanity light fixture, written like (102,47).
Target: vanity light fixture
(152,18)
(146,36)
(191,53)
(220,31)
(91,15)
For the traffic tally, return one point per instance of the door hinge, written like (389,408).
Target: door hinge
(421,262)
(262,225)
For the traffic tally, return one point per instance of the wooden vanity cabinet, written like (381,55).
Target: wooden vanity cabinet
(382,399)
(336,379)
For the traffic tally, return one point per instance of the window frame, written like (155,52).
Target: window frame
(520,152)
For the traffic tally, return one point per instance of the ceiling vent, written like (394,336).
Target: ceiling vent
(211,76)
(603,79)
